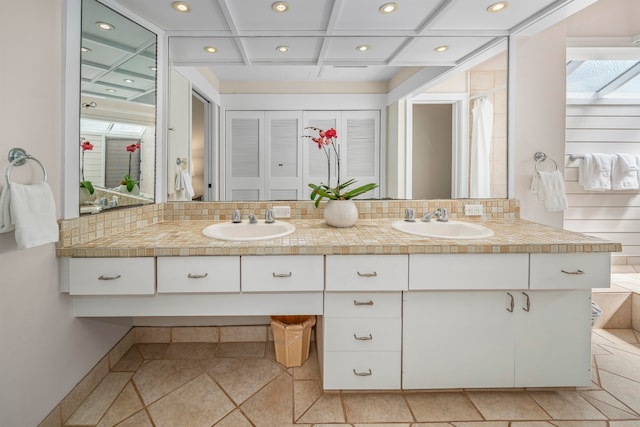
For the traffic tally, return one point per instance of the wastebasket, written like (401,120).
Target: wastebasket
(291,338)
(596,312)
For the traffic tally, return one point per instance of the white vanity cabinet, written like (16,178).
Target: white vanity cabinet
(198,274)
(362,325)
(108,276)
(507,333)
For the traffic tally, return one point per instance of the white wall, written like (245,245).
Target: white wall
(44,350)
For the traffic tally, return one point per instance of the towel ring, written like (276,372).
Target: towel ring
(540,157)
(18,157)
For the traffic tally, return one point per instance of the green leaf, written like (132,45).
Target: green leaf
(87,185)
(360,190)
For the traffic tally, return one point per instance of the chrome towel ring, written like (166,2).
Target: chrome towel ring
(540,157)
(18,157)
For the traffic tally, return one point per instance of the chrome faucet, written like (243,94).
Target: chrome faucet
(253,219)
(441,214)
(237,216)
(409,214)
(269,217)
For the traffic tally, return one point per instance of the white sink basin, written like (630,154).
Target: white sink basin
(246,231)
(444,230)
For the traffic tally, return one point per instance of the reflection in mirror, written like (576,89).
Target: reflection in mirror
(118,111)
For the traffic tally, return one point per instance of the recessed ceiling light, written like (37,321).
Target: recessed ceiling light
(152,68)
(282,48)
(85,49)
(105,26)
(441,48)
(111,90)
(181,6)
(280,6)
(128,81)
(210,49)
(388,8)
(498,7)
(362,48)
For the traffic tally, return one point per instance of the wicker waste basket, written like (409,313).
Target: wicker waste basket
(291,337)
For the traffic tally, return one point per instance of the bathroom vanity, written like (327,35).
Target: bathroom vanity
(395,311)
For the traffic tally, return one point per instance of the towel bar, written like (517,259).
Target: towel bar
(18,157)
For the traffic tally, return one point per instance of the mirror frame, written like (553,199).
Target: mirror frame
(72,40)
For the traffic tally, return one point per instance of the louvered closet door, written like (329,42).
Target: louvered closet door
(283,130)
(245,153)
(360,149)
(314,163)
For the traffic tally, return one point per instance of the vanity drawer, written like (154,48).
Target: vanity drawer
(362,334)
(112,276)
(468,271)
(367,272)
(363,304)
(362,370)
(570,271)
(282,273)
(198,274)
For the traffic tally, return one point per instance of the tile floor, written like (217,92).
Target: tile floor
(240,384)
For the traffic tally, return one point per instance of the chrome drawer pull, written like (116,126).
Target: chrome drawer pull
(577,272)
(374,274)
(282,274)
(197,276)
(528,307)
(510,309)
(369,338)
(362,302)
(109,277)
(363,374)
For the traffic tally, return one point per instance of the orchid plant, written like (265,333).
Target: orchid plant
(128,180)
(326,141)
(86,146)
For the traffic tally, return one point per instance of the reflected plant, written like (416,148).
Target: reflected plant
(86,146)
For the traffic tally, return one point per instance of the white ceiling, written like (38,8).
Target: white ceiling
(322,35)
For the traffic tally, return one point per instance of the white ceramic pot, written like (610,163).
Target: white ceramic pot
(340,213)
(85,196)
(135,191)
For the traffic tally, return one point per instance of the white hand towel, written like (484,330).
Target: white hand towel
(624,175)
(33,210)
(550,188)
(188,187)
(179,184)
(6,224)
(595,171)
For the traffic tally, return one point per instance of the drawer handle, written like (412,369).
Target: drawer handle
(367,338)
(109,277)
(528,307)
(355,302)
(374,274)
(197,276)
(363,374)
(575,273)
(282,274)
(510,309)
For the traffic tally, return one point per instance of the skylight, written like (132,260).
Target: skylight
(603,79)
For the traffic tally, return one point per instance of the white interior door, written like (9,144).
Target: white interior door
(283,130)
(245,156)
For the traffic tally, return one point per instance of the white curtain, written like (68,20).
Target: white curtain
(480,176)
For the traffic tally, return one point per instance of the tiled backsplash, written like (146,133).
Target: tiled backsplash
(90,227)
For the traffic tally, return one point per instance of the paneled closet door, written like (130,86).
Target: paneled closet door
(314,160)
(245,155)
(284,146)
(360,149)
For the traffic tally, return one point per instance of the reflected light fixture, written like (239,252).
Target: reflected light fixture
(105,26)
(282,49)
(636,39)
(362,48)
(498,7)
(152,68)
(180,6)
(210,49)
(280,6)
(128,81)
(440,49)
(85,49)
(89,105)
(388,8)
(111,90)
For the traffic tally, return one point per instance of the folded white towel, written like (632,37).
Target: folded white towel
(6,224)
(188,186)
(33,211)
(549,186)
(595,171)
(624,174)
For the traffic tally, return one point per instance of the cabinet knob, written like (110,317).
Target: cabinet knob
(528,306)
(510,308)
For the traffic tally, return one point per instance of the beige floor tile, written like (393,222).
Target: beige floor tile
(531,424)
(122,347)
(382,425)
(626,335)
(305,393)
(153,335)
(127,404)
(195,334)
(152,350)
(190,350)
(129,362)
(310,369)
(616,309)
(240,378)
(442,407)
(54,419)
(376,407)
(243,333)
(200,402)
(94,406)
(624,424)
(481,424)
(580,423)
(159,377)
(327,409)
(625,390)
(431,425)
(234,419)
(80,392)
(566,405)
(621,363)
(505,405)
(140,419)
(635,311)
(240,349)
(273,405)
(622,269)
(608,405)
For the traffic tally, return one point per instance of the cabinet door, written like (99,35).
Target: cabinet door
(553,341)
(283,131)
(245,155)
(457,339)
(360,149)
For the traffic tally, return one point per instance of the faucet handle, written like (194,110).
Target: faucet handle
(237,216)
(409,214)
(269,217)
(443,216)
(252,219)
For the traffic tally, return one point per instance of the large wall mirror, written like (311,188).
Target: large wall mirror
(117,146)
